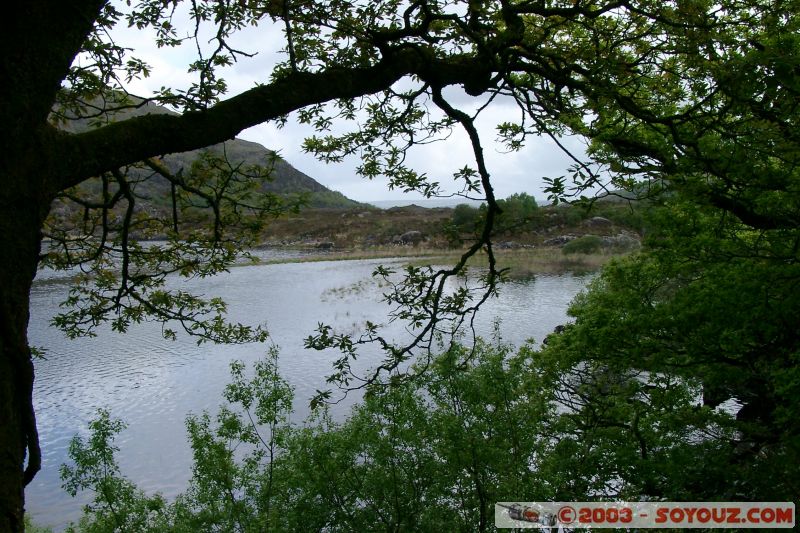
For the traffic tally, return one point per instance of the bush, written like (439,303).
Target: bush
(588,244)
(465,432)
(31,527)
(518,212)
(465,217)
(628,215)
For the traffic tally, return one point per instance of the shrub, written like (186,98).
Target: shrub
(588,244)
(465,217)
(518,212)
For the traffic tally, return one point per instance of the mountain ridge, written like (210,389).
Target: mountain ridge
(284,180)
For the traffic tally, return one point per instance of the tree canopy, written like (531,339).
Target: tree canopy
(689,101)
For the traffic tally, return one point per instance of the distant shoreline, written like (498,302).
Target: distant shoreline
(426,204)
(521,263)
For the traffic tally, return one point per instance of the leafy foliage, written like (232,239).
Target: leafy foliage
(125,280)
(419,456)
(710,306)
(118,505)
(516,211)
(466,217)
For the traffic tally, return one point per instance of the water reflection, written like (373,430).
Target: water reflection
(153,384)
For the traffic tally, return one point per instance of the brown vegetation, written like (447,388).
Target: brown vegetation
(532,246)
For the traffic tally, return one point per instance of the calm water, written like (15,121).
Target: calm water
(153,384)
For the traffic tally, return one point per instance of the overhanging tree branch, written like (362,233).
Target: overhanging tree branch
(136,139)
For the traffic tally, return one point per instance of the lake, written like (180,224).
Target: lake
(153,384)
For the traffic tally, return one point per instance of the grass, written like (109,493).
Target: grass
(551,261)
(526,263)
(521,263)
(377,252)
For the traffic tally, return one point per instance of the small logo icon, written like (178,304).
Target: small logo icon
(566,515)
(525,514)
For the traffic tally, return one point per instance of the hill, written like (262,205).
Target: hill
(285,179)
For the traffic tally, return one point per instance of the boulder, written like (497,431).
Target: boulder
(622,242)
(597,222)
(561,240)
(409,237)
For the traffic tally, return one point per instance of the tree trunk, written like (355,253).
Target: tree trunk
(20,239)
(39,39)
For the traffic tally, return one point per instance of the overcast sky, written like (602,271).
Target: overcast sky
(510,172)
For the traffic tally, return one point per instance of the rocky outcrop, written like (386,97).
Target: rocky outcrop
(622,242)
(561,240)
(597,222)
(409,237)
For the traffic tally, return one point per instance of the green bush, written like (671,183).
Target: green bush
(32,527)
(518,212)
(466,217)
(588,244)
(465,432)
(628,215)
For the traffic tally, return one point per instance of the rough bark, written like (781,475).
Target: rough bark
(19,236)
(39,40)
